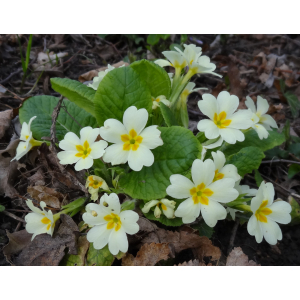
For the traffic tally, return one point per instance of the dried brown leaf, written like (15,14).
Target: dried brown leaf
(149,255)
(234,78)
(45,250)
(48,195)
(238,258)
(37,178)
(184,240)
(191,263)
(5,119)
(8,170)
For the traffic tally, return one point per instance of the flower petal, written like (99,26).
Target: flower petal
(89,134)
(112,131)
(139,158)
(117,241)
(84,163)
(231,135)
(250,104)
(271,231)
(149,205)
(32,207)
(228,103)
(261,131)
(219,160)
(162,62)
(188,211)
(208,105)
(268,120)
(70,138)
(135,119)
(98,149)
(262,105)
(241,119)
(223,190)
(230,171)
(180,187)
(115,154)
(210,129)
(129,220)
(213,212)
(151,137)
(281,212)
(67,157)
(203,172)
(269,193)
(112,201)
(252,225)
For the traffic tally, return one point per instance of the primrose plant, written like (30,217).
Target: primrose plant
(131,136)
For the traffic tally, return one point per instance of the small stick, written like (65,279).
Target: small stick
(233,234)
(19,224)
(19,210)
(13,216)
(54,151)
(10,76)
(280,160)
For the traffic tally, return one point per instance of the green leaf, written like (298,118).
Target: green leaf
(175,156)
(293,170)
(172,47)
(276,152)
(204,229)
(100,257)
(2,208)
(294,103)
(295,213)
(156,78)
(183,38)
(168,115)
(43,106)
(128,205)
(258,178)
(100,169)
(120,89)
(163,219)
(246,160)
(295,149)
(28,51)
(201,137)
(79,259)
(76,92)
(153,39)
(251,139)
(164,36)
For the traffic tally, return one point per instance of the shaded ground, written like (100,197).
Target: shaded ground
(251,65)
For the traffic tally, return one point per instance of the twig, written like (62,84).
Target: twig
(13,216)
(280,160)
(16,96)
(19,224)
(10,76)
(54,151)
(233,234)
(18,210)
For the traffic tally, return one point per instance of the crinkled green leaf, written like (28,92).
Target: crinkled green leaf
(120,89)
(251,139)
(2,208)
(43,106)
(168,115)
(293,170)
(246,160)
(175,156)
(101,257)
(156,78)
(76,92)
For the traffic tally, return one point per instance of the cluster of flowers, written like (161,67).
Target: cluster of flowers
(213,183)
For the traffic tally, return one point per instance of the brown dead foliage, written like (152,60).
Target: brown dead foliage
(149,255)
(5,119)
(192,263)
(238,258)
(44,250)
(48,195)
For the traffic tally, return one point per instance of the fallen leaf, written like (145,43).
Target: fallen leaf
(79,259)
(48,195)
(148,255)
(37,178)
(45,250)
(8,170)
(238,258)
(201,245)
(101,257)
(93,73)
(5,119)
(191,263)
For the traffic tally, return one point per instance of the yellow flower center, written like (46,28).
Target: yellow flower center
(27,136)
(113,221)
(95,184)
(131,141)
(45,221)
(262,212)
(162,206)
(155,99)
(218,176)
(83,151)
(220,120)
(200,194)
